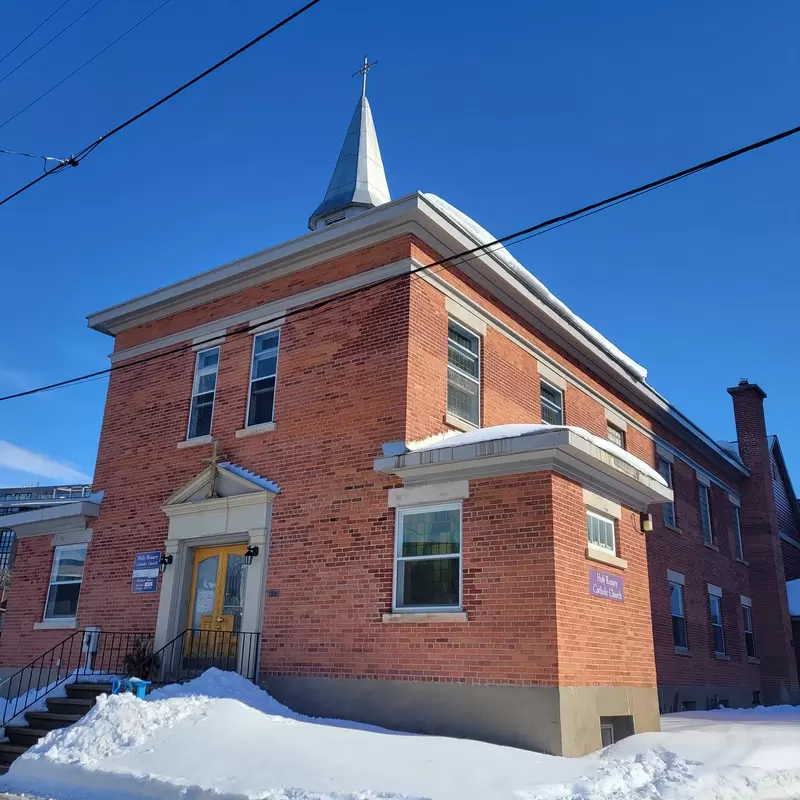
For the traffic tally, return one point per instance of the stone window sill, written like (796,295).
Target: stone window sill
(673,528)
(459,424)
(751,660)
(742,561)
(253,430)
(196,442)
(683,651)
(711,546)
(414,617)
(604,557)
(722,657)
(55,625)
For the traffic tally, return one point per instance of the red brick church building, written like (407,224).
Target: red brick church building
(575,556)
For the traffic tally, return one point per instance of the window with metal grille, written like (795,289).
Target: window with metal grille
(65,582)
(749,635)
(705,514)
(737,532)
(718,635)
(203,391)
(600,531)
(667,509)
(263,373)
(679,638)
(428,558)
(463,374)
(552,400)
(616,436)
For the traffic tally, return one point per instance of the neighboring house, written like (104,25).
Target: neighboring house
(19,499)
(500,585)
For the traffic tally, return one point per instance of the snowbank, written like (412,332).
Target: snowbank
(220,737)
(482,236)
(455,439)
(793,593)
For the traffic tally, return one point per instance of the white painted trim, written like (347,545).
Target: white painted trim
(72,537)
(703,480)
(745,601)
(196,442)
(460,313)
(55,624)
(549,375)
(418,618)
(194,393)
(275,309)
(676,577)
(250,380)
(202,342)
(714,590)
(264,324)
(72,516)
(253,430)
(459,424)
(735,501)
(597,502)
(603,556)
(428,493)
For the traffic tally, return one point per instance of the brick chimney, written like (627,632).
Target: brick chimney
(762,549)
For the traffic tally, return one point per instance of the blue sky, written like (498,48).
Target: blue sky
(514,111)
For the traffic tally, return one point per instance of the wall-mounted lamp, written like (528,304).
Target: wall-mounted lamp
(646,522)
(164,563)
(250,554)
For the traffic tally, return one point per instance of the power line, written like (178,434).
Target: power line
(521,235)
(31,155)
(25,39)
(85,64)
(51,40)
(76,159)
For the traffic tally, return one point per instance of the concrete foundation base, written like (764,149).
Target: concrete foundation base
(687,697)
(548,719)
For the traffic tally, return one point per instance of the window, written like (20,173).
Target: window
(203,391)
(65,582)
(749,636)
(606,734)
(428,568)
(463,374)
(679,638)
(552,404)
(705,515)
(689,705)
(667,509)
(616,436)
(737,532)
(261,402)
(715,603)
(600,531)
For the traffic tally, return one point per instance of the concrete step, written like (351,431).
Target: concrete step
(69,705)
(8,751)
(23,734)
(50,721)
(88,691)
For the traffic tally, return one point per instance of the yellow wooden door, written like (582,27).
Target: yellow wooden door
(216,602)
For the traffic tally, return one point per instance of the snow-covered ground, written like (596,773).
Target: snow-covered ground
(220,737)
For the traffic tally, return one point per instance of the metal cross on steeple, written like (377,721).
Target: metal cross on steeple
(363,73)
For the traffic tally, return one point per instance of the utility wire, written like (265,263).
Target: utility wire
(85,64)
(22,41)
(76,159)
(520,235)
(51,40)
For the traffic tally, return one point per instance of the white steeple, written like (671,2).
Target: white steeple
(358,180)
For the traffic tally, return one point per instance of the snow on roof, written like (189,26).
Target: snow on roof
(263,483)
(535,285)
(793,593)
(453,439)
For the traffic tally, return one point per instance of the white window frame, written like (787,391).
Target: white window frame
(195,385)
(250,382)
(737,531)
(682,592)
(559,392)
(706,527)
(747,617)
(610,426)
(665,506)
(718,598)
(51,582)
(602,518)
(452,323)
(423,509)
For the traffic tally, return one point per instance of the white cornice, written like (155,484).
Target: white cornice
(51,520)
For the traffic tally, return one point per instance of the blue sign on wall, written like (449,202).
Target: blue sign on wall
(145,572)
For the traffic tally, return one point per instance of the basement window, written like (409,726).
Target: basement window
(65,582)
